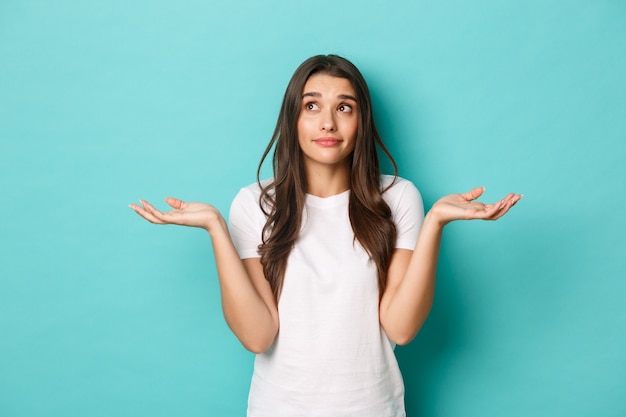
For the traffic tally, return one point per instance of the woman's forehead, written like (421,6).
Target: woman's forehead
(328,85)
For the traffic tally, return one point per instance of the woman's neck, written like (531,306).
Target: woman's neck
(326,181)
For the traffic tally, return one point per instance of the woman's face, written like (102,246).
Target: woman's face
(328,121)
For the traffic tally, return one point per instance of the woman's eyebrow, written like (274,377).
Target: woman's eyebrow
(340,96)
(347,97)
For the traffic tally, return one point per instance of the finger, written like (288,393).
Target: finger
(509,197)
(510,200)
(147,206)
(175,203)
(473,194)
(150,217)
(505,205)
(492,210)
(153,212)
(143,213)
(498,209)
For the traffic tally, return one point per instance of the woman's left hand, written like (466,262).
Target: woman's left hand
(463,207)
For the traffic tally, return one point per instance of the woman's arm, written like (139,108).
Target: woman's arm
(247,299)
(408,297)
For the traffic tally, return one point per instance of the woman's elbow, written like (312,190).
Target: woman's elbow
(403,334)
(256,347)
(402,339)
(259,343)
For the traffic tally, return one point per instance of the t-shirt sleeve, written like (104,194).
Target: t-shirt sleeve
(408,215)
(246,221)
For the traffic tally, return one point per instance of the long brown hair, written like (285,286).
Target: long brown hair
(283,199)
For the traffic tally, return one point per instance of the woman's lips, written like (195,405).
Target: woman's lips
(327,142)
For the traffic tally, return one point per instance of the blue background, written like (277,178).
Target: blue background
(103,103)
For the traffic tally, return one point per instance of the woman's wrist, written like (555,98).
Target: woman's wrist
(435,218)
(216,224)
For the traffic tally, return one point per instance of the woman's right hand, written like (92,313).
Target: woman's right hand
(184,214)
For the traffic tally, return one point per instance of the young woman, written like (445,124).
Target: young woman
(329,264)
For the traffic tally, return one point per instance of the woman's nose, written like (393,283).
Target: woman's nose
(328,122)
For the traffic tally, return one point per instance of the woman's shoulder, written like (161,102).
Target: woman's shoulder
(399,191)
(393,183)
(249,196)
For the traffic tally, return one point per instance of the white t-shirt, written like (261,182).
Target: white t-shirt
(331,357)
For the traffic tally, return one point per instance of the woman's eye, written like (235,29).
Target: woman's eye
(311,106)
(344,108)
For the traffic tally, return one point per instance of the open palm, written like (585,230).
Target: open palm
(463,207)
(183,214)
